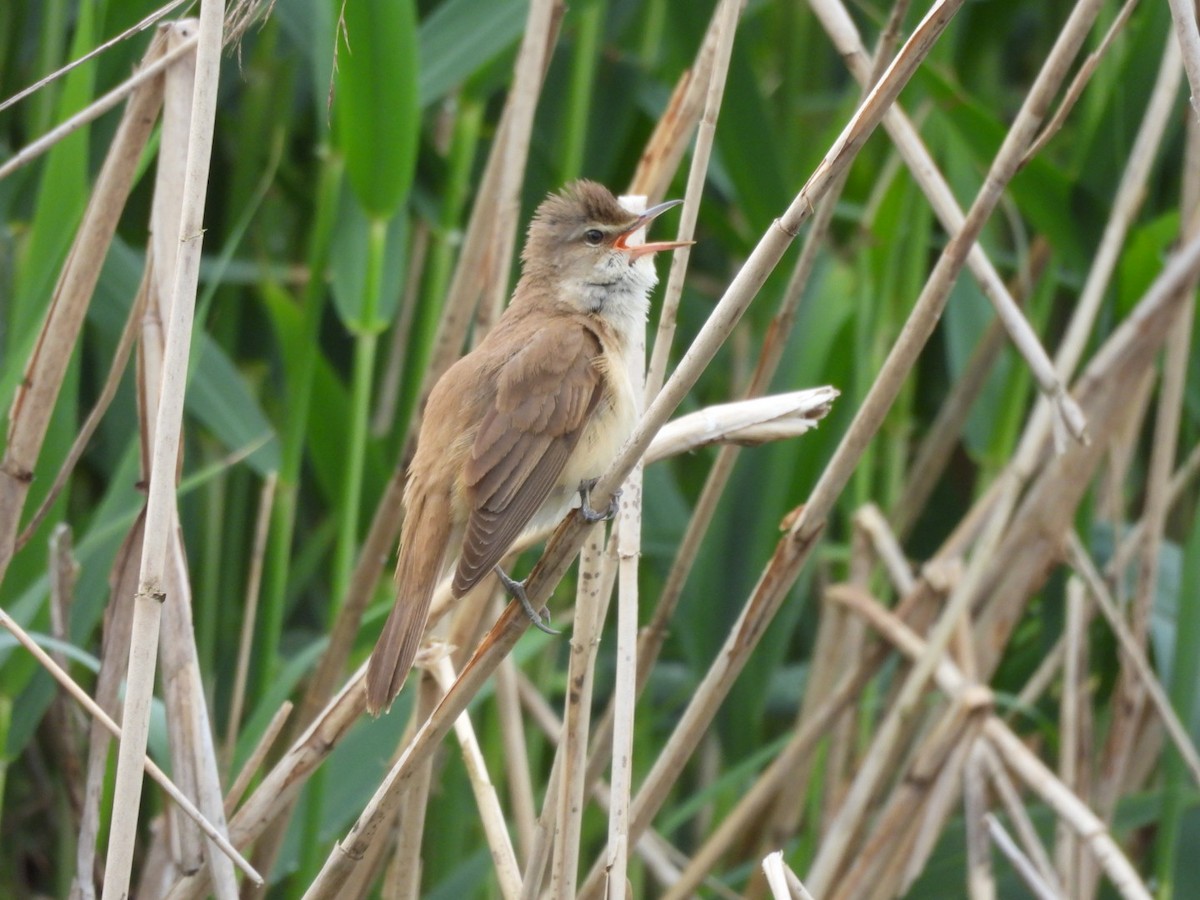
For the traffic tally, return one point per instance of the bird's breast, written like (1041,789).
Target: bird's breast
(606,431)
(609,426)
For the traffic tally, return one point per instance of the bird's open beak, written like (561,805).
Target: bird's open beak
(643,221)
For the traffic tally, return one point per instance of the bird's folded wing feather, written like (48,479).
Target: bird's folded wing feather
(544,397)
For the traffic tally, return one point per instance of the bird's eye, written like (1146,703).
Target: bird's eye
(593,236)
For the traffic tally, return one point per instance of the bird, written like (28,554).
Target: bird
(526,421)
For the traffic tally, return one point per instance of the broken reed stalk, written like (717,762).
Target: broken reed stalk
(160,509)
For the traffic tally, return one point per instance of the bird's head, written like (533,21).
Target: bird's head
(587,245)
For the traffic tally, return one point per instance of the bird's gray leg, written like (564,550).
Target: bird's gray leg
(517,589)
(585,509)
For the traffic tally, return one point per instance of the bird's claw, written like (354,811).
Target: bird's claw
(517,589)
(590,515)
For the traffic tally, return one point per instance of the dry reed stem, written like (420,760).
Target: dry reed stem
(594,592)
(1183,13)
(111,382)
(1074,747)
(809,730)
(256,757)
(940,439)
(1079,82)
(929,305)
(35,397)
(886,546)
(655,632)
(662,858)
(106,721)
(903,714)
(152,67)
(844,35)
(1069,807)
(1015,754)
(725,21)
(516,757)
(1130,696)
(629,541)
(64,723)
(160,507)
(545,835)
(783,881)
(1082,562)
(1182,477)
(936,759)
(1020,862)
(744,422)
(533,59)
(91,54)
(1127,200)
(504,858)
(189,732)
(114,649)
(279,787)
(1031,844)
(591,604)
(1033,541)
(387,395)
(406,861)
(484,254)
(981,880)
(911,855)
(262,526)
(664,150)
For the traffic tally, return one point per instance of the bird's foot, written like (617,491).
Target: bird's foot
(590,515)
(517,589)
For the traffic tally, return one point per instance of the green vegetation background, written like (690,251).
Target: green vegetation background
(287,371)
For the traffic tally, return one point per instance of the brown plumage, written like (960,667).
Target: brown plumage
(514,428)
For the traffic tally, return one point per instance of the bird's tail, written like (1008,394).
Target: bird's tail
(422,554)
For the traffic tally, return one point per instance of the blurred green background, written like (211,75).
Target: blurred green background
(288,371)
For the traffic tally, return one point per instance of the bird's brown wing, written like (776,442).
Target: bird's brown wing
(544,396)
